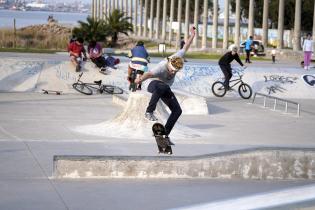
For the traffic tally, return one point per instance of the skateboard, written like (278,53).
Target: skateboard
(161,141)
(57,92)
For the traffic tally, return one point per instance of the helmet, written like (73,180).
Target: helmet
(233,48)
(176,63)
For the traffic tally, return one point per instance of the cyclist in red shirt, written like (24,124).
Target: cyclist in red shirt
(76,49)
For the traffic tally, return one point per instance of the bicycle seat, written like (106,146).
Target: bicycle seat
(99,82)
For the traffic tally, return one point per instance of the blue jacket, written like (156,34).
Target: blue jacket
(139,55)
(248,44)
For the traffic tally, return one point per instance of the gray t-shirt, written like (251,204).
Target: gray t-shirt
(161,72)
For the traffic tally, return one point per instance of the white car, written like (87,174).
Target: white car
(259,48)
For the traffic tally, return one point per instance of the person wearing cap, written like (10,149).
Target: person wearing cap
(76,49)
(225,64)
(164,76)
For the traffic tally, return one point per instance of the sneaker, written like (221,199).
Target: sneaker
(103,69)
(150,116)
(169,141)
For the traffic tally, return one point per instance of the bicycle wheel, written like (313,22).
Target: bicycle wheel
(245,91)
(111,89)
(218,89)
(82,88)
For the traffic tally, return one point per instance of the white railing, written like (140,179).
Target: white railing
(276,99)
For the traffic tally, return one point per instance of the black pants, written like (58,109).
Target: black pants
(247,56)
(162,91)
(99,62)
(227,71)
(273,59)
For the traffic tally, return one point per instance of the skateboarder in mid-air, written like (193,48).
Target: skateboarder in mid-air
(164,74)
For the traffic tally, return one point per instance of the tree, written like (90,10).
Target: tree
(116,23)
(289,11)
(93,29)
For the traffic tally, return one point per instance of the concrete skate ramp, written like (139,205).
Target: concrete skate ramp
(260,163)
(282,82)
(33,75)
(130,123)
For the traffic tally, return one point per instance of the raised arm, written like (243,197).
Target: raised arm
(190,39)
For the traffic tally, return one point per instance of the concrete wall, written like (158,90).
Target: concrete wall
(264,163)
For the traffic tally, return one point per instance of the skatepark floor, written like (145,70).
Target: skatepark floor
(34,127)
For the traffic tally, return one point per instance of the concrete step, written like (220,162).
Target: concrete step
(258,163)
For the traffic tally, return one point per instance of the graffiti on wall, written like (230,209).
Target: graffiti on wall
(63,74)
(309,80)
(28,67)
(198,78)
(275,83)
(280,79)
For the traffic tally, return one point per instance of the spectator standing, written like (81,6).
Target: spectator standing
(182,44)
(273,54)
(308,50)
(248,48)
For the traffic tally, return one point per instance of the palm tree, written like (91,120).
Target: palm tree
(117,23)
(93,29)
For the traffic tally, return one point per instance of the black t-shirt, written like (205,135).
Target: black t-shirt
(227,58)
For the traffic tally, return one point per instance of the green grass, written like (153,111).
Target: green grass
(28,50)
(192,55)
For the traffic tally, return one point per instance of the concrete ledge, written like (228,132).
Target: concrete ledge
(259,163)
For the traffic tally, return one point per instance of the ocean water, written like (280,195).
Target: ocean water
(26,18)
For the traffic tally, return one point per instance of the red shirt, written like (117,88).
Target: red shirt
(75,48)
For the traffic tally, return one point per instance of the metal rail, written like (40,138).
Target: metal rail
(276,99)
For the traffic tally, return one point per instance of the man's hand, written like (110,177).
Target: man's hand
(74,54)
(193,31)
(137,80)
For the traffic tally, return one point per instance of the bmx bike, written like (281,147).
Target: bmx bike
(87,88)
(136,71)
(244,90)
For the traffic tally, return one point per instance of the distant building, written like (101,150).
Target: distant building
(37,6)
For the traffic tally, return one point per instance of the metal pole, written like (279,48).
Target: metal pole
(298,111)
(14,28)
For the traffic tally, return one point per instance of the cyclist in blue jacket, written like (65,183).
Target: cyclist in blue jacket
(139,60)
(248,48)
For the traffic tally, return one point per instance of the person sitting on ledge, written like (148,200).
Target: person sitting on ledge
(76,49)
